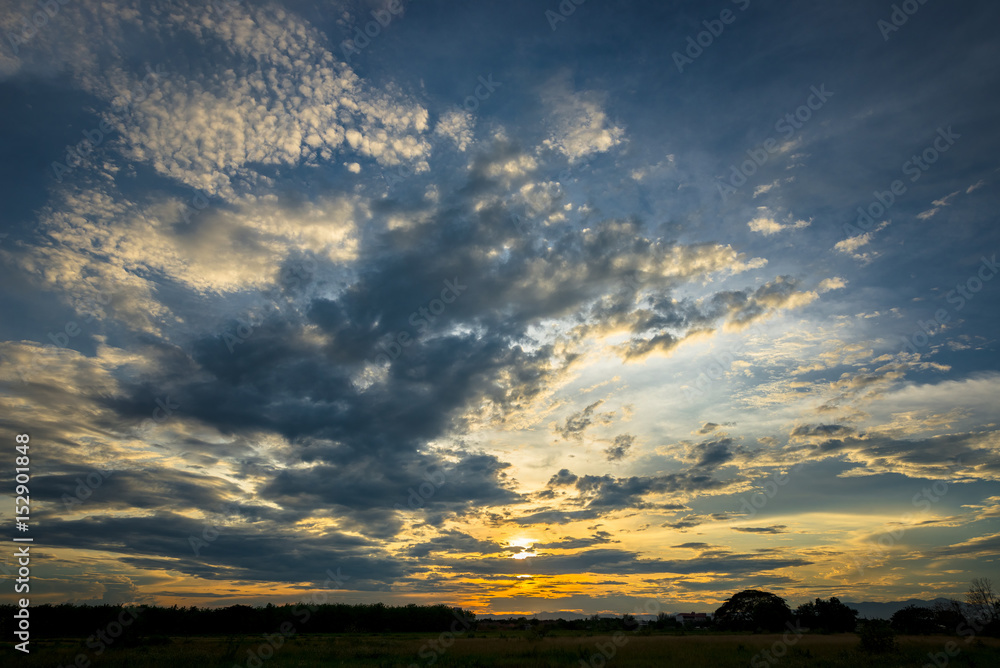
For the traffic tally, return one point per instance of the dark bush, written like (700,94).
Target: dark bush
(877,636)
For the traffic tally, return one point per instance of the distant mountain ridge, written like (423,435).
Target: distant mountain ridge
(877,610)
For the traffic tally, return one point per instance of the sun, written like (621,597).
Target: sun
(525,544)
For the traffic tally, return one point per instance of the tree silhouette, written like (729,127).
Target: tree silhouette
(753,610)
(914,620)
(985,606)
(831,616)
(982,596)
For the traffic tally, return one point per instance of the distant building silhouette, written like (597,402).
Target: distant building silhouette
(694,618)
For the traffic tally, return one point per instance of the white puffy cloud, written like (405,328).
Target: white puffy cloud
(851,244)
(280,96)
(456,125)
(103,252)
(765,223)
(580,124)
(834,283)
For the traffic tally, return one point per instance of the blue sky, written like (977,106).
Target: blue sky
(522,307)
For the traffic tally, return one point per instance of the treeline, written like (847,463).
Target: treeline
(593,624)
(756,611)
(81,621)
(751,610)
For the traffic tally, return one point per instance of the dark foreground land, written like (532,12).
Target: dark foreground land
(516,650)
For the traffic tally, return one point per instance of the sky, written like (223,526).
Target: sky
(520,307)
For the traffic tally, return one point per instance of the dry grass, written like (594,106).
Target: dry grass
(518,651)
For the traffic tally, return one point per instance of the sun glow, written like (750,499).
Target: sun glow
(525,545)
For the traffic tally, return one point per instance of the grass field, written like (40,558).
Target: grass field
(512,650)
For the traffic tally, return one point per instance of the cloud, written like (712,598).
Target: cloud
(764,189)
(577,423)
(748,307)
(983,546)
(580,126)
(563,477)
(938,205)
(777,528)
(766,224)
(277,97)
(606,560)
(107,254)
(852,244)
(452,541)
(708,428)
(247,553)
(568,543)
(830,284)
(821,431)
(620,448)
(712,454)
(456,126)
(692,546)
(600,495)
(117,590)
(947,456)
(685,522)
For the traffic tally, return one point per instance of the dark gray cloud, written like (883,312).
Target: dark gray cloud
(713,454)
(568,543)
(576,424)
(777,528)
(606,560)
(686,522)
(453,541)
(822,431)
(619,449)
(258,553)
(562,478)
